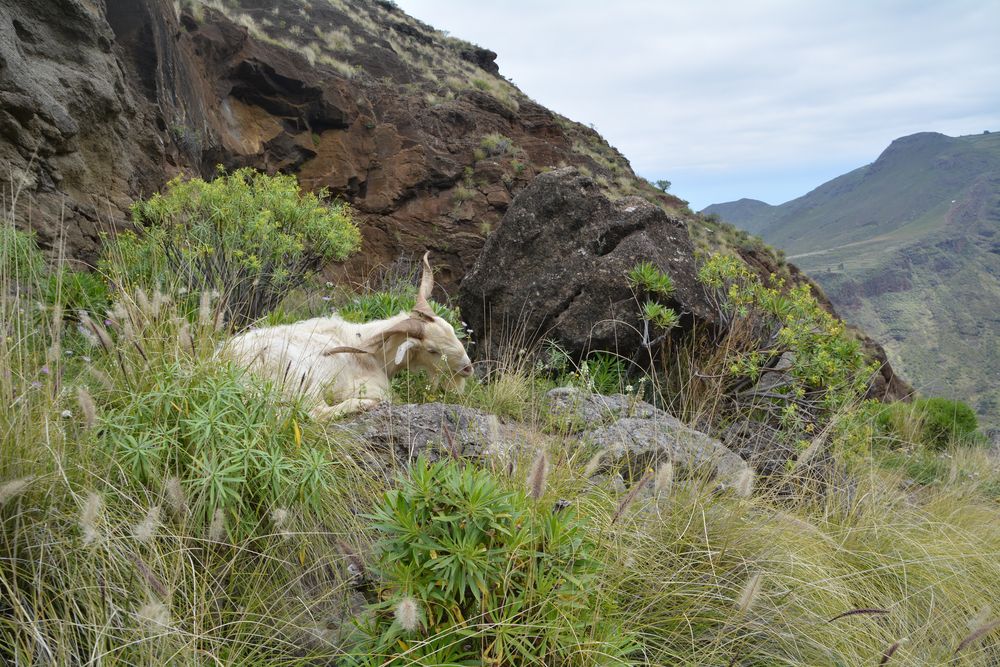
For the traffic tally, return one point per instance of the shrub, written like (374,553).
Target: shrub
(236,449)
(77,290)
(251,236)
(496,144)
(824,358)
(470,570)
(945,420)
(933,422)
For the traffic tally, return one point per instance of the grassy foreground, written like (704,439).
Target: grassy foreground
(159,507)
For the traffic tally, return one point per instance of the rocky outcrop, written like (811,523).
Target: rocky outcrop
(103,102)
(74,140)
(558,264)
(635,436)
(408,430)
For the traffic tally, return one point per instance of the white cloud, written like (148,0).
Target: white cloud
(713,95)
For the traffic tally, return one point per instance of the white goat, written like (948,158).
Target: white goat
(344,367)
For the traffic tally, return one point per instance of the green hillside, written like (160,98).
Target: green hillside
(908,248)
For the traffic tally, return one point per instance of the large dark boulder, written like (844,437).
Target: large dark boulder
(556,267)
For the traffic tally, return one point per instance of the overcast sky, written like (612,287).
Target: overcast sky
(736,98)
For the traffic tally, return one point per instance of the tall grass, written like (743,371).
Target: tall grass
(113,549)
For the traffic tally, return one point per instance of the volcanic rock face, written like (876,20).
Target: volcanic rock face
(70,127)
(103,102)
(558,263)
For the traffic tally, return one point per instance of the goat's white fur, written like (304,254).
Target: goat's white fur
(342,367)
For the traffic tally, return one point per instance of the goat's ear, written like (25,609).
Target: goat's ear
(401,351)
(422,307)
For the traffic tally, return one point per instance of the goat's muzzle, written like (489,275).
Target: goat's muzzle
(465,371)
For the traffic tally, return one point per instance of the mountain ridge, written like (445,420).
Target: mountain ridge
(908,248)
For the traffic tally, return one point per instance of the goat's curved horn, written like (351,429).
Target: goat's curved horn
(422,305)
(411,328)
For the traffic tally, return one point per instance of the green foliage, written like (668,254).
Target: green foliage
(934,423)
(251,236)
(496,577)
(19,254)
(659,315)
(601,373)
(236,448)
(663,184)
(387,303)
(945,420)
(823,356)
(496,144)
(77,290)
(647,277)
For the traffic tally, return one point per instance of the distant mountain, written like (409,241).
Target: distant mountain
(908,247)
(749,214)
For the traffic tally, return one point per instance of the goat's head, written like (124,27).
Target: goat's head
(428,342)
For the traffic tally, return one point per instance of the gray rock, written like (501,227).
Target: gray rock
(412,429)
(641,444)
(635,435)
(583,410)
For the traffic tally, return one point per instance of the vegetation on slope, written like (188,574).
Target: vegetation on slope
(906,249)
(158,506)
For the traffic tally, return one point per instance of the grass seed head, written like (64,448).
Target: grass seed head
(408,614)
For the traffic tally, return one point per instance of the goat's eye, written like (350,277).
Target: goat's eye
(432,350)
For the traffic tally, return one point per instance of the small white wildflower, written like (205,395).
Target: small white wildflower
(66,414)
(408,614)
(145,530)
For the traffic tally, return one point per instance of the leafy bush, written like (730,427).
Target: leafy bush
(824,360)
(386,303)
(945,420)
(236,449)
(933,422)
(470,571)
(251,236)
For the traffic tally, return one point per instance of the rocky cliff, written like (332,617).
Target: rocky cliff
(103,102)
